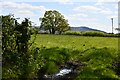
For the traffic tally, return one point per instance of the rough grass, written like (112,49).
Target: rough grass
(97,53)
(75,42)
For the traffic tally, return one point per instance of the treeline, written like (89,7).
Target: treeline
(91,33)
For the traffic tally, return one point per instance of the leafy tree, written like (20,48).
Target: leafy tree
(53,21)
(117,29)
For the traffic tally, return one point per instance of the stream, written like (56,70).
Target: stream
(68,72)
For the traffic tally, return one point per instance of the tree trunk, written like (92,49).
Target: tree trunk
(53,31)
(50,30)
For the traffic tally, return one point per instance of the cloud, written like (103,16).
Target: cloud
(116,12)
(21,9)
(62,0)
(116,6)
(86,8)
(65,2)
(105,11)
(25,13)
(113,16)
(102,2)
(93,9)
(80,17)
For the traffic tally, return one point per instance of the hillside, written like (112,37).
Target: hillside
(83,28)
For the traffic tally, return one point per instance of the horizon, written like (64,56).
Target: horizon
(96,15)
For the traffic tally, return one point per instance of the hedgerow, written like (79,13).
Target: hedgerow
(91,33)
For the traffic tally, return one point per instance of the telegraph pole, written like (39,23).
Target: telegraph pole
(112,25)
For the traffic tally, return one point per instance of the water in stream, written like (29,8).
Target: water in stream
(63,72)
(68,72)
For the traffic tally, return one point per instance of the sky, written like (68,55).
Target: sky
(95,14)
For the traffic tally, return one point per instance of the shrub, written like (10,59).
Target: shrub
(15,47)
(91,33)
(94,33)
(72,33)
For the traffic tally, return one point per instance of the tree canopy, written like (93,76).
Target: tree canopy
(53,21)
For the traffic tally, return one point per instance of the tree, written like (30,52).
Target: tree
(15,43)
(117,29)
(53,21)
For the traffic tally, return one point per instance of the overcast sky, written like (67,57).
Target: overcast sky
(95,14)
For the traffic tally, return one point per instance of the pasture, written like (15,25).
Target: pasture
(97,53)
(75,42)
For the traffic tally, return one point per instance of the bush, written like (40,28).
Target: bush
(94,33)
(91,33)
(72,33)
(15,48)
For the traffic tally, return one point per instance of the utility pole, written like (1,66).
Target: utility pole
(112,25)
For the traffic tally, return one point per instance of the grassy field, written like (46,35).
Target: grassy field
(98,53)
(75,42)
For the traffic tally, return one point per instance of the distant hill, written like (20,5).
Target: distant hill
(83,29)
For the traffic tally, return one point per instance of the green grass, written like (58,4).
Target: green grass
(97,53)
(75,42)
